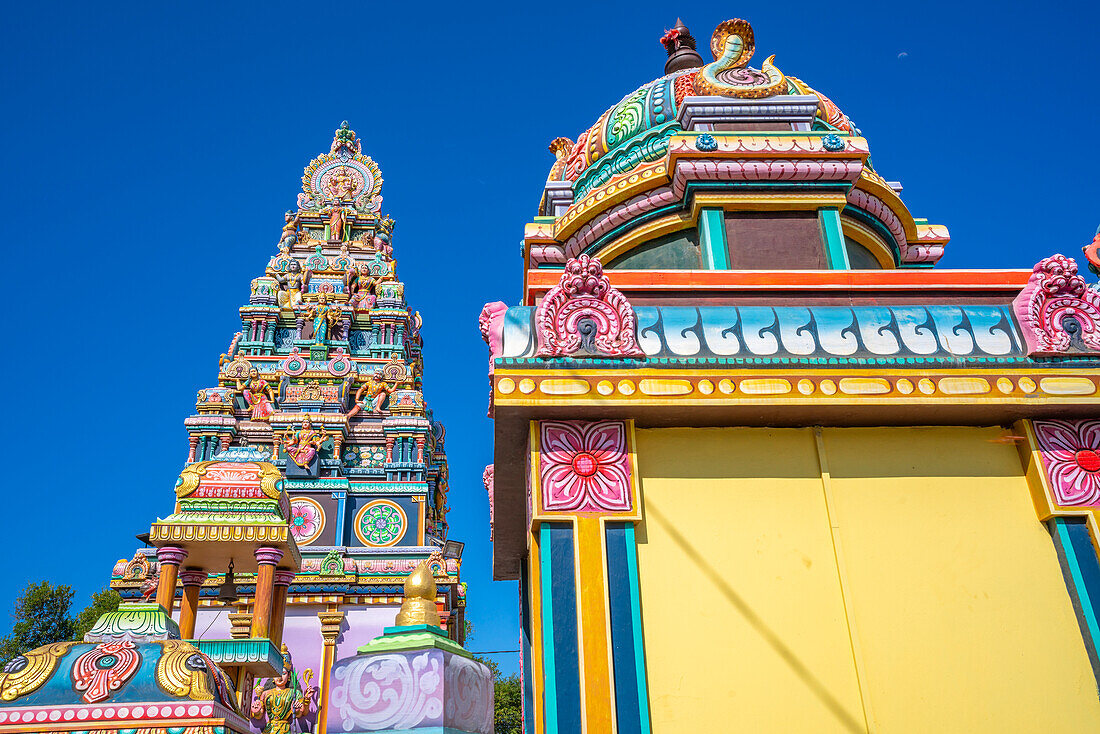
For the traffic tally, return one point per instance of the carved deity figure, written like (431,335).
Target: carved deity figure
(258,395)
(283,702)
(324,318)
(377,390)
(291,285)
(337,218)
(303,444)
(290,230)
(360,284)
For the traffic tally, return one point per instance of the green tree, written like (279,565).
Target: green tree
(507,705)
(102,602)
(41,617)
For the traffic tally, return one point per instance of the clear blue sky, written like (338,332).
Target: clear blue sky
(149,151)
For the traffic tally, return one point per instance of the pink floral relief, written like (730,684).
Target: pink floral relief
(584,467)
(1071,455)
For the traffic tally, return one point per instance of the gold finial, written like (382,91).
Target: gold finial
(419,604)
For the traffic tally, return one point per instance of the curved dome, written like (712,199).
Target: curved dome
(637,129)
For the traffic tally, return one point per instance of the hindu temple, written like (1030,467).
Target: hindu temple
(304,579)
(759,464)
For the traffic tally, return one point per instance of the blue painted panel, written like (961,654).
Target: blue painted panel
(526,671)
(1082,572)
(564,605)
(622,629)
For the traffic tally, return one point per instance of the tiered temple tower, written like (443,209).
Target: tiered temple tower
(322,384)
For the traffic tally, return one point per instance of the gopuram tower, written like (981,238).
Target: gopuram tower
(317,410)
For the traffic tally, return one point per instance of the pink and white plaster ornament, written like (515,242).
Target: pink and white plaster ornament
(584,467)
(584,316)
(1070,450)
(1058,312)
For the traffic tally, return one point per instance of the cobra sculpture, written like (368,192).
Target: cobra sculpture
(732,45)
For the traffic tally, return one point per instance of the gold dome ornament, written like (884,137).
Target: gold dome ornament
(419,604)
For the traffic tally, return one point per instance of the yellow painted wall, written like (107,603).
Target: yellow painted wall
(749,560)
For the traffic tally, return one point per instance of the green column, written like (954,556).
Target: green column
(712,238)
(836,254)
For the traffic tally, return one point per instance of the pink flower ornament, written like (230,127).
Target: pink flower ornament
(585,467)
(1071,454)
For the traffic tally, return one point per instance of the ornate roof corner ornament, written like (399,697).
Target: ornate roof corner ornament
(491,323)
(729,74)
(1058,313)
(1092,253)
(583,316)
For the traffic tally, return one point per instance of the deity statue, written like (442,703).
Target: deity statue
(291,285)
(377,391)
(258,395)
(360,284)
(337,218)
(303,444)
(290,230)
(283,702)
(341,186)
(324,317)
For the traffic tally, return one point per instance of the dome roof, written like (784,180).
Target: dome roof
(132,667)
(637,129)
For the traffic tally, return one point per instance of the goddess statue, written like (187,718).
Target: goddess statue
(337,218)
(359,283)
(291,285)
(303,444)
(258,395)
(324,317)
(282,703)
(377,391)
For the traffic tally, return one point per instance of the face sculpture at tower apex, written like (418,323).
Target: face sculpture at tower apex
(315,482)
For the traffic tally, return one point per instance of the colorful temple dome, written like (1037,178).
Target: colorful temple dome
(638,128)
(131,671)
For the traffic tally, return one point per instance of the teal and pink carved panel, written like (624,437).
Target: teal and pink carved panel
(1058,313)
(1070,450)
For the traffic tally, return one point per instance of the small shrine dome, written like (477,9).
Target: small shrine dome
(131,671)
(636,129)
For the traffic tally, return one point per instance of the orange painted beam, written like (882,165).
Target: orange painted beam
(539,281)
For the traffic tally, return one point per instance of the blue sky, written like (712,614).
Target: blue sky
(150,149)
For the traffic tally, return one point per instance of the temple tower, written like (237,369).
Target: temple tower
(320,389)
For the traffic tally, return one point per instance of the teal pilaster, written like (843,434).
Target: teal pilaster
(549,686)
(836,254)
(636,624)
(712,239)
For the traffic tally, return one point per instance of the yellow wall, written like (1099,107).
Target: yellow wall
(908,589)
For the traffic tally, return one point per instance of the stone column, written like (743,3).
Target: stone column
(331,621)
(223,442)
(265,582)
(283,580)
(420,450)
(170,558)
(192,579)
(193,442)
(389,449)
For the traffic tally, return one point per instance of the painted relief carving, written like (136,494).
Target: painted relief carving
(487,480)
(398,691)
(1071,457)
(584,467)
(1058,313)
(584,316)
(491,323)
(104,669)
(26,673)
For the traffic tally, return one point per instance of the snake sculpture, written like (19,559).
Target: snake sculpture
(732,45)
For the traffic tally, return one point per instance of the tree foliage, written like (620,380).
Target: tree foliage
(41,616)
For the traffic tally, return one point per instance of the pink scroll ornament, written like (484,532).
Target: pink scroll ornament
(487,480)
(584,467)
(583,315)
(1071,454)
(491,323)
(1058,313)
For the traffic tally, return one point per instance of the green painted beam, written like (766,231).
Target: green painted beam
(712,238)
(836,254)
